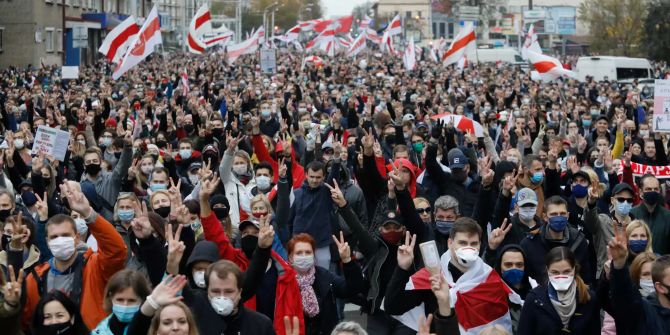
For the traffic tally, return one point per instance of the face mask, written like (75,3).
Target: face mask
(651,198)
(537,177)
(161,143)
(4,214)
(62,247)
(561,282)
(221,213)
(147,169)
(418,147)
(163,211)
(185,153)
(105,141)
(558,223)
(579,191)
(222,305)
(82,227)
(303,263)
(586,123)
(513,276)
(6,238)
(595,112)
(126,214)
(527,214)
(647,287)
(199,278)
(196,224)
(240,169)
(466,256)
(390,139)
(623,208)
(57,328)
(158,186)
(189,128)
(93,169)
(248,245)
(637,246)
(193,178)
(125,313)
(265,114)
(302,109)
(644,133)
(324,123)
(81,142)
(443,226)
(263,183)
(117,155)
(217,132)
(18,143)
(393,237)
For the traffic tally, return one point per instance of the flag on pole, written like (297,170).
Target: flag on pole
(530,43)
(340,26)
(365,23)
(143,45)
(246,47)
(409,57)
(395,26)
(117,41)
(386,44)
(357,46)
(201,24)
(292,34)
(464,42)
(462,63)
(548,68)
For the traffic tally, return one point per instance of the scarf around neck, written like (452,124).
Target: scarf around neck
(565,302)
(310,304)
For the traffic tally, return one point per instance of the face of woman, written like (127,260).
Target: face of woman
(259,208)
(126,297)
(173,321)
(561,268)
(638,234)
(55,313)
(302,249)
(126,204)
(160,200)
(645,271)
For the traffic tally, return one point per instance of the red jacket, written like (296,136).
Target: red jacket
(263,155)
(288,301)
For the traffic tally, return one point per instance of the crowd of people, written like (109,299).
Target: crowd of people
(236,202)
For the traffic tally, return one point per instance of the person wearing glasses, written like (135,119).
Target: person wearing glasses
(601,226)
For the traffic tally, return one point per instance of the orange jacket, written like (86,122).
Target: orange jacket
(99,267)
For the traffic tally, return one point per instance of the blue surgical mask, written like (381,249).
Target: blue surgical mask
(558,223)
(623,208)
(125,313)
(637,246)
(185,153)
(156,187)
(579,191)
(537,177)
(126,214)
(443,226)
(513,276)
(586,123)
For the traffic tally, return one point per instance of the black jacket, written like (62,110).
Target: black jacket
(538,316)
(467,196)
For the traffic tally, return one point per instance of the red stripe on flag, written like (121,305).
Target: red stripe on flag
(482,304)
(122,38)
(544,66)
(194,45)
(204,18)
(460,44)
(216,39)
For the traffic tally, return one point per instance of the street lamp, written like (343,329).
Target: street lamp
(265,13)
(276,9)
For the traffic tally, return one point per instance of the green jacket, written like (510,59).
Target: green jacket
(659,224)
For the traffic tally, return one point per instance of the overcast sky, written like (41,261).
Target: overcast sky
(339,7)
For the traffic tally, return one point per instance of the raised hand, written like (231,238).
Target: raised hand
(205,171)
(42,207)
(20,234)
(175,249)
(232,142)
(11,290)
(343,248)
(266,233)
(498,235)
(406,252)
(336,194)
(424,325)
(175,193)
(140,224)
(593,194)
(282,168)
(440,288)
(76,199)
(618,247)
(207,187)
(166,292)
(485,170)
(394,177)
(368,140)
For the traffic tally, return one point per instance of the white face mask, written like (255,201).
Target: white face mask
(303,263)
(82,228)
(62,247)
(199,278)
(147,169)
(240,169)
(466,256)
(223,305)
(527,214)
(18,143)
(561,282)
(193,178)
(647,287)
(263,183)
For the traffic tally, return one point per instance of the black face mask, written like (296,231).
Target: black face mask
(163,211)
(161,143)
(390,139)
(189,128)
(117,155)
(249,244)
(93,169)
(459,175)
(217,132)
(221,213)
(5,241)
(57,328)
(4,214)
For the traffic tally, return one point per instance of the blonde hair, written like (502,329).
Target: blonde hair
(123,196)
(156,320)
(153,195)
(494,330)
(419,200)
(264,199)
(640,224)
(636,266)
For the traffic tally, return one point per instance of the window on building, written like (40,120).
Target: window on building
(442,29)
(49,39)
(59,40)
(451,30)
(418,13)
(434,28)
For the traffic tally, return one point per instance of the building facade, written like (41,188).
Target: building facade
(415,16)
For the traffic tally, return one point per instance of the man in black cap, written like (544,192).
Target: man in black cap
(577,201)
(601,226)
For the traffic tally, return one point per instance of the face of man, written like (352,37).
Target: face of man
(314,178)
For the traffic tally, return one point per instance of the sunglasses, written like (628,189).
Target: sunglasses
(423,210)
(628,200)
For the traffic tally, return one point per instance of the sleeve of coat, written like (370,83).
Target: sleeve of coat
(214,232)
(351,283)
(398,300)
(112,251)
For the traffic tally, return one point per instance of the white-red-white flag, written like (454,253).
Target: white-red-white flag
(548,68)
(462,63)
(357,46)
(246,47)
(292,34)
(465,41)
(409,57)
(184,83)
(479,296)
(340,26)
(530,43)
(117,41)
(143,45)
(386,44)
(201,24)
(371,35)
(217,39)
(365,23)
(395,26)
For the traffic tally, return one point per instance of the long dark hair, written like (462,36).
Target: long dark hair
(78,328)
(558,254)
